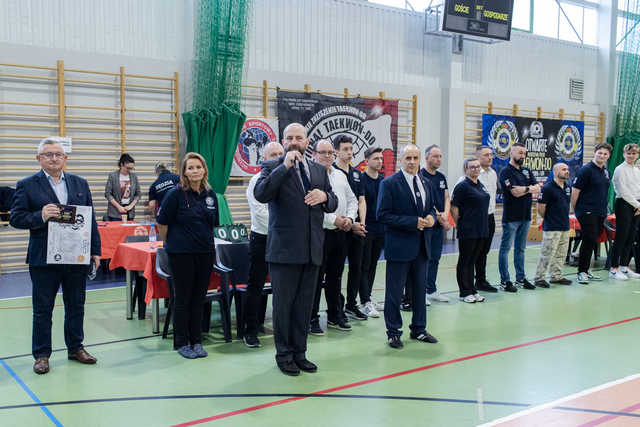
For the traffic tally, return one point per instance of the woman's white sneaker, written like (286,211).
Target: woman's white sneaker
(469,299)
(370,310)
(630,273)
(617,275)
(478,297)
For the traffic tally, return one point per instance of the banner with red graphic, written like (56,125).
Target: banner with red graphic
(256,133)
(369,122)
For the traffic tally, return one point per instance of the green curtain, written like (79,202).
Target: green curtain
(214,134)
(215,122)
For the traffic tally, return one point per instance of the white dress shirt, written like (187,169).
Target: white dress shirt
(259,211)
(409,178)
(489,179)
(60,188)
(347,202)
(626,182)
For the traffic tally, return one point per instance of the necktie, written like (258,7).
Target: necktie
(419,202)
(305,179)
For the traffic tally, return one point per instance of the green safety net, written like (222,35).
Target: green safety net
(628,102)
(215,122)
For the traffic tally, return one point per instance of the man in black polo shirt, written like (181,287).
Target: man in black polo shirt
(554,208)
(440,194)
(589,200)
(161,186)
(518,184)
(343,145)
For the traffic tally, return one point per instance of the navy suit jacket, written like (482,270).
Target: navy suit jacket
(398,212)
(295,234)
(32,194)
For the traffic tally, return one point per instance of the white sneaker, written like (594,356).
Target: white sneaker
(370,310)
(469,298)
(426,300)
(379,305)
(617,275)
(593,277)
(630,273)
(437,296)
(583,278)
(478,297)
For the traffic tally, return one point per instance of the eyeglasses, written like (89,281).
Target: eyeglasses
(473,167)
(50,155)
(326,153)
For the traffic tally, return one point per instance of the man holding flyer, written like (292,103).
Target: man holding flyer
(43,202)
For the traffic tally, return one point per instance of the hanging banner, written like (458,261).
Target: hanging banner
(369,122)
(256,133)
(547,141)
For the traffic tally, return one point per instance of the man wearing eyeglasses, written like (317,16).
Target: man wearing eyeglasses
(336,226)
(35,203)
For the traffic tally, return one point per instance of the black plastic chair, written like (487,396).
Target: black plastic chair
(610,231)
(140,283)
(235,257)
(222,296)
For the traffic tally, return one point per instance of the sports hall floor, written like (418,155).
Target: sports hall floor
(564,356)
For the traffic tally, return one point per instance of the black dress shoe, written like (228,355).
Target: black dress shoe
(485,286)
(424,337)
(289,368)
(541,283)
(395,342)
(305,365)
(405,306)
(561,281)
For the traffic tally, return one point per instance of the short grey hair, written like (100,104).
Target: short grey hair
(50,140)
(161,167)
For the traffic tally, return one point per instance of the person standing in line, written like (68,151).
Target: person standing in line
(336,226)
(257,252)
(518,185)
(440,193)
(122,190)
(343,146)
(554,208)
(406,209)
(166,181)
(299,194)
(589,201)
(35,203)
(470,210)
(626,182)
(186,219)
(489,179)
(374,240)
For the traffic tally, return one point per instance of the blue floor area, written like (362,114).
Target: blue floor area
(15,285)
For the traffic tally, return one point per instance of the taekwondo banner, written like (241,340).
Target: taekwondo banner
(369,122)
(547,141)
(256,133)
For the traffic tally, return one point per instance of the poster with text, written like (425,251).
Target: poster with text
(256,133)
(369,122)
(547,142)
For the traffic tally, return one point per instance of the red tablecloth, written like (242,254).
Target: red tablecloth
(574,224)
(141,256)
(113,233)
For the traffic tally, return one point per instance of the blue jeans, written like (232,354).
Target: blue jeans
(515,231)
(436,239)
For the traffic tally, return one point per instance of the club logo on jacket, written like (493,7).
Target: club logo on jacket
(209,202)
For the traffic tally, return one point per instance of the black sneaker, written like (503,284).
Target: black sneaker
(424,337)
(485,286)
(525,284)
(405,306)
(339,324)
(508,286)
(395,342)
(251,341)
(541,283)
(355,313)
(561,281)
(315,329)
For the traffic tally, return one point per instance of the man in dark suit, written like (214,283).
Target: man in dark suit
(299,193)
(406,209)
(34,204)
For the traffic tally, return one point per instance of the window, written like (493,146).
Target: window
(545,18)
(570,27)
(417,5)
(570,21)
(522,15)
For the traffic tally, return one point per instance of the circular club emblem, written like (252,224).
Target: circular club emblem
(502,136)
(209,201)
(568,143)
(254,136)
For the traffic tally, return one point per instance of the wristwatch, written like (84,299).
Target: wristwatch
(526,190)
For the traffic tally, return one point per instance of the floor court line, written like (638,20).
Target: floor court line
(556,404)
(31,394)
(403,373)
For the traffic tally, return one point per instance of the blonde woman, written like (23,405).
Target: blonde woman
(186,220)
